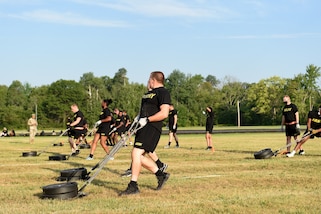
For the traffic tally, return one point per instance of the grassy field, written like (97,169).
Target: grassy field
(229,180)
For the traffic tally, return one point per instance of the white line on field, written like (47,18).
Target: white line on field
(202,176)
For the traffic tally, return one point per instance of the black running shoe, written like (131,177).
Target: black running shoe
(162,180)
(301,152)
(131,190)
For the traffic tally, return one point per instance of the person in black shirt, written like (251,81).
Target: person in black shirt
(119,126)
(76,129)
(154,109)
(103,130)
(172,126)
(313,130)
(127,125)
(209,128)
(290,118)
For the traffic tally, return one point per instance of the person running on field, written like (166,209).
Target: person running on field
(209,128)
(127,125)
(290,118)
(103,130)
(119,125)
(172,126)
(76,129)
(162,166)
(313,127)
(154,109)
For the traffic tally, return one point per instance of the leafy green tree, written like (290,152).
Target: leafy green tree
(96,91)
(261,103)
(212,80)
(3,106)
(120,77)
(175,83)
(266,99)
(16,105)
(16,95)
(232,93)
(310,85)
(61,95)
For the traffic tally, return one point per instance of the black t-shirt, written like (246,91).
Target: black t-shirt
(126,119)
(209,119)
(120,119)
(151,102)
(171,116)
(81,122)
(289,112)
(315,119)
(104,114)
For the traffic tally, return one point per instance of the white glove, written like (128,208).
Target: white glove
(174,126)
(203,112)
(114,129)
(98,123)
(143,121)
(297,125)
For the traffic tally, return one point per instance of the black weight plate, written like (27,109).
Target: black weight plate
(263,154)
(77,172)
(58,157)
(61,188)
(29,154)
(62,196)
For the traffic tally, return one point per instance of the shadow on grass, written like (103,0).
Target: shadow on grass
(239,151)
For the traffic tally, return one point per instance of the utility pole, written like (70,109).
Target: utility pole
(238,114)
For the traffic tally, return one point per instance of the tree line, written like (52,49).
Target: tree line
(232,101)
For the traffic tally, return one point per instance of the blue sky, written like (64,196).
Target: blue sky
(247,40)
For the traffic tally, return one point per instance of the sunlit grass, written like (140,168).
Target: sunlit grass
(229,180)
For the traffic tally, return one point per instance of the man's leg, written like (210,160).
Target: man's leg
(103,141)
(136,166)
(93,147)
(176,139)
(162,166)
(170,138)
(288,142)
(150,165)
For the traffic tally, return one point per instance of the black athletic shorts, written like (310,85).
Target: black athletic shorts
(103,130)
(120,130)
(76,133)
(172,130)
(291,130)
(209,128)
(147,138)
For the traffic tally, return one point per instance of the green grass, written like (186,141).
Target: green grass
(229,180)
